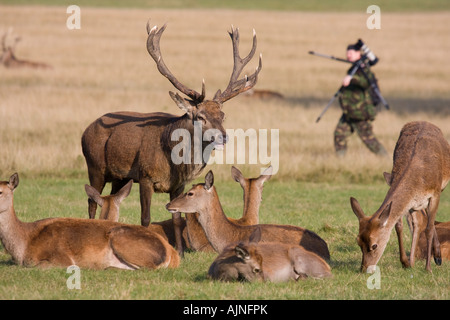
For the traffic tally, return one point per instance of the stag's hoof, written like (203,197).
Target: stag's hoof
(438,261)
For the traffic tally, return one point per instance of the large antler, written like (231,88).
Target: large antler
(154,35)
(236,86)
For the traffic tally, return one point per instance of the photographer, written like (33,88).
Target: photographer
(358,104)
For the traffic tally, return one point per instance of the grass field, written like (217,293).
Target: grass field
(105,67)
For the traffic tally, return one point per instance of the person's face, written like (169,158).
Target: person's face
(353,55)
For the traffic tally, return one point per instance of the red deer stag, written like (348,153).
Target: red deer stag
(421,170)
(9,60)
(267,261)
(128,145)
(63,242)
(221,232)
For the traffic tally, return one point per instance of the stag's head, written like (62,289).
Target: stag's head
(373,234)
(206,112)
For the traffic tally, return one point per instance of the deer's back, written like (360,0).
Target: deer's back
(421,155)
(295,235)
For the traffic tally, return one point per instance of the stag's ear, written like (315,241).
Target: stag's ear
(209,180)
(13,181)
(387,177)
(183,104)
(241,253)
(357,208)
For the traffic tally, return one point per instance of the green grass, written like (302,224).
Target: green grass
(321,207)
(293,5)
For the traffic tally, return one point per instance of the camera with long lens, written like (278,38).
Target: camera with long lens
(367,52)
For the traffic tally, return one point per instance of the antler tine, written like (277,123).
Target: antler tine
(153,48)
(236,86)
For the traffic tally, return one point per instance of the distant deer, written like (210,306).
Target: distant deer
(267,261)
(8,58)
(421,170)
(263,94)
(128,145)
(63,242)
(203,199)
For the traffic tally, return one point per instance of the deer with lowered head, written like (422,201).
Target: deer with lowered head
(202,198)
(8,58)
(267,261)
(421,170)
(63,242)
(127,145)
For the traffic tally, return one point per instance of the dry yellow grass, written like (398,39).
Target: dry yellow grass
(105,67)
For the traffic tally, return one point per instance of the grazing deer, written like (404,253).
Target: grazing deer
(9,60)
(203,199)
(127,145)
(421,170)
(267,261)
(63,242)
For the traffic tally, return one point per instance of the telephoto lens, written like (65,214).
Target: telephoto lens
(368,53)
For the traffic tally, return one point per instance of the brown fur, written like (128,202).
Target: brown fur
(127,145)
(63,242)
(421,170)
(194,239)
(221,232)
(267,261)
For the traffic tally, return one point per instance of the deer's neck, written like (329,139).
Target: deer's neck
(252,202)
(218,229)
(185,147)
(13,234)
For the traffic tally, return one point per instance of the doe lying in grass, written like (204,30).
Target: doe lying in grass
(95,244)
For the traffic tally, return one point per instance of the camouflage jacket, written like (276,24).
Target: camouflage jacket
(356,100)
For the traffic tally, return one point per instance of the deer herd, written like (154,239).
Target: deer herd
(127,147)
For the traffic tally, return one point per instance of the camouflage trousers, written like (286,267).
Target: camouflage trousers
(346,127)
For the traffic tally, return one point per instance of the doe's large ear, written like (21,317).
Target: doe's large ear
(13,181)
(236,174)
(256,235)
(209,180)
(123,192)
(183,104)
(384,215)
(357,208)
(94,195)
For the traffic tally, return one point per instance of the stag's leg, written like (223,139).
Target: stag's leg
(146,192)
(176,219)
(399,230)
(430,231)
(415,230)
(97,182)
